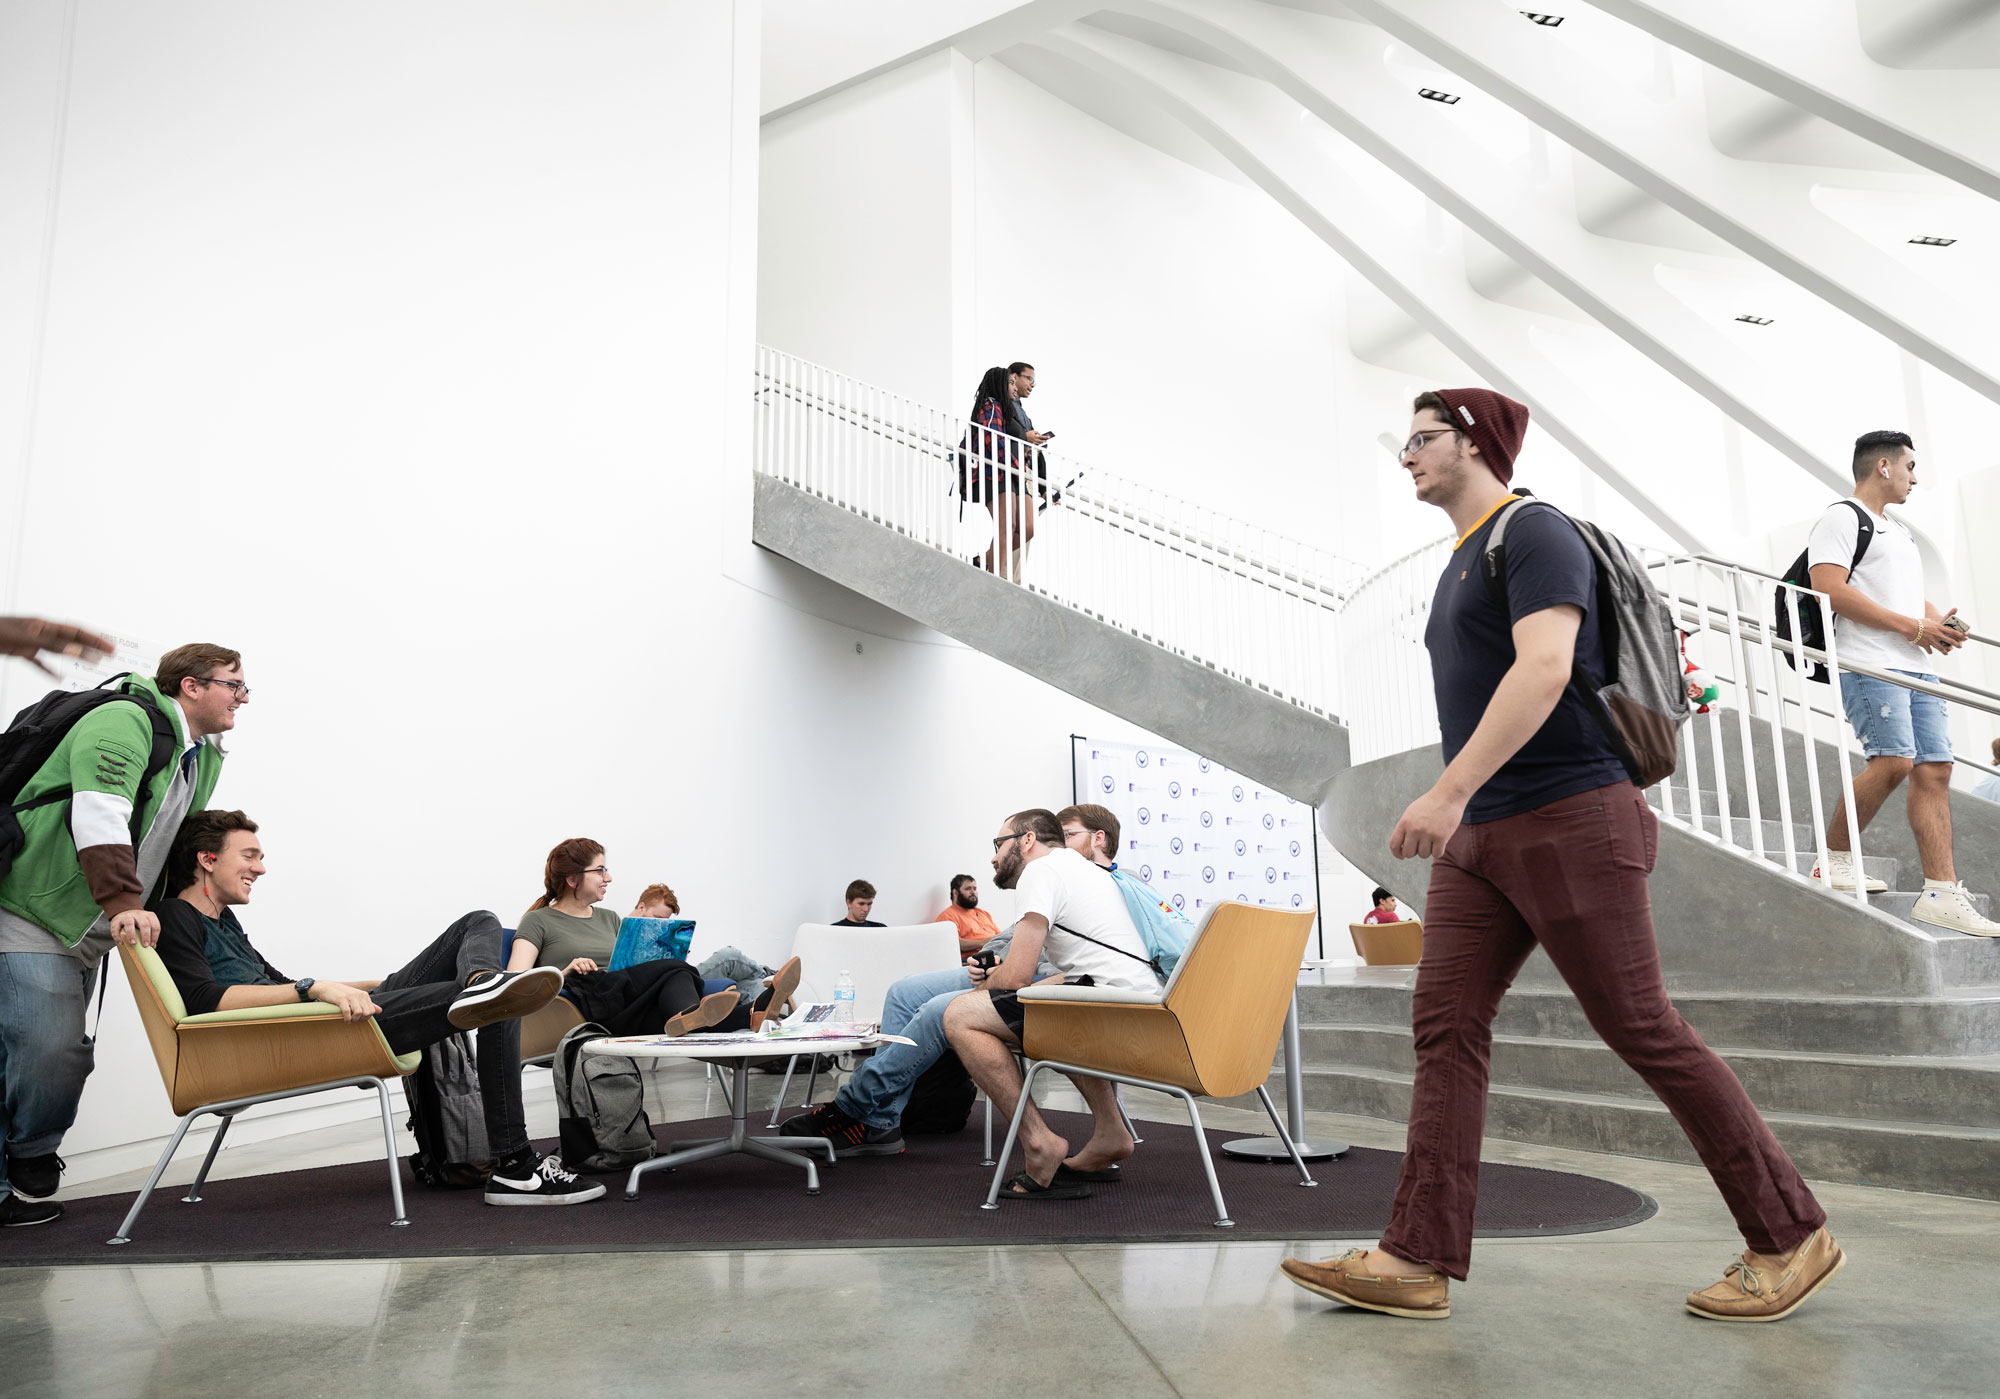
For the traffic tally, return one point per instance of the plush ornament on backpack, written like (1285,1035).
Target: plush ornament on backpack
(1702,689)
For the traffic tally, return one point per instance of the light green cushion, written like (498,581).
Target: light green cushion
(156,972)
(290,1010)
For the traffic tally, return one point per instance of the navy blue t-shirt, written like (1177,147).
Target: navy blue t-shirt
(1471,642)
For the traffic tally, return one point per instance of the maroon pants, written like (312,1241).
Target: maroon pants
(1572,876)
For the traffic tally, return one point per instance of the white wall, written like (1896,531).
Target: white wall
(400,349)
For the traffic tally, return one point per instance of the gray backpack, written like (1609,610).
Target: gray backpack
(600,1107)
(1641,700)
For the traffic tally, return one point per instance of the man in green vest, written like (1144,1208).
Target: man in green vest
(86,869)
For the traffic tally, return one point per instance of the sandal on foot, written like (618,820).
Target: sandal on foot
(1023,1187)
(1110,1175)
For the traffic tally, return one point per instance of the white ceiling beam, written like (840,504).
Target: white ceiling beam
(1334,70)
(1763,210)
(1809,53)
(1255,128)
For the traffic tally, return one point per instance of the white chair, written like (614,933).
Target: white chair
(875,957)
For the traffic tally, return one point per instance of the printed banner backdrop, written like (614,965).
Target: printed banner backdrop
(1197,832)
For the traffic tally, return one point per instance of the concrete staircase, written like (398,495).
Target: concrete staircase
(1871,1043)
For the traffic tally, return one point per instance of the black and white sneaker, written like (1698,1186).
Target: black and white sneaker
(495,996)
(547,1184)
(36,1177)
(17,1211)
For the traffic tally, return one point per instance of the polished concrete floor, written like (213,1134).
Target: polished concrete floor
(1591,1315)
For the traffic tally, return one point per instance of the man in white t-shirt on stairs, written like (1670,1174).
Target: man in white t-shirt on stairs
(1070,911)
(1883,620)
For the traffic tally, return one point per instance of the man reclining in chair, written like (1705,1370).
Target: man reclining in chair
(1069,908)
(453,984)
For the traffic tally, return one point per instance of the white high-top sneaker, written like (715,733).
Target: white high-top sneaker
(1949,906)
(1840,864)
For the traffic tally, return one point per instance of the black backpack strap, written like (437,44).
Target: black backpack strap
(1152,962)
(1864,535)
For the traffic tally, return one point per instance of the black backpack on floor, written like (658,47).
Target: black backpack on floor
(940,1100)
(449,1118)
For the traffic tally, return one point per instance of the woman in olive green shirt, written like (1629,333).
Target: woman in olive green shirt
(566,928)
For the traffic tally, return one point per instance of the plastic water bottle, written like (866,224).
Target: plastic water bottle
(843,999)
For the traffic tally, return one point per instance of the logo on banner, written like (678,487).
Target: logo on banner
(1208,874)
(1295,850)
(1146,873)
(1270,874)
(1207,819)
(1174,790)
(1140,758)
(1241,848)
(1145,815)
(1201,763)
(1268,821)
(1180,900)
(1236,793)
(1110,784)
(1298,901)
(1175,845)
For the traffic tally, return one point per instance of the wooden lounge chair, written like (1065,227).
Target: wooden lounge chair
(1212,1031)
(229,1060)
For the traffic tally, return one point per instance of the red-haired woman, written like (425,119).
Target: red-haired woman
(566,929)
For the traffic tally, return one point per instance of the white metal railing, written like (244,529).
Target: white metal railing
(1716,606)
(1390,705)
(1244,600)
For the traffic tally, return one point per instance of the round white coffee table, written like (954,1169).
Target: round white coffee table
(736,1055)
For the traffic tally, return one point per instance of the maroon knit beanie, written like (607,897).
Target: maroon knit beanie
(1494,422)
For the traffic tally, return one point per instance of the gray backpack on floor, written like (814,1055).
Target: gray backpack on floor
(448,1118)
(600,1107)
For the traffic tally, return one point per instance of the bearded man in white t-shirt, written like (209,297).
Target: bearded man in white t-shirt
(1883,620)
(1070,911)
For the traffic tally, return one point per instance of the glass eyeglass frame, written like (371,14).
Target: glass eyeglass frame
(236,687)
(1420,440)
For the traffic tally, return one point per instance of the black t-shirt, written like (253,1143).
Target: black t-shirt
(850,923)
(206,956)
(1471,642)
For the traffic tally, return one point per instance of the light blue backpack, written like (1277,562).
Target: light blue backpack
(1163,928)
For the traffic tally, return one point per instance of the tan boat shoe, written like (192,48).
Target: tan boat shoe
(710,1010)
(1757,1288)
(1421,1296)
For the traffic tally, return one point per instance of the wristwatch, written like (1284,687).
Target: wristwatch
(304,986)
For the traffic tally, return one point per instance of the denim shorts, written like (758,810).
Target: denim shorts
(1893,722)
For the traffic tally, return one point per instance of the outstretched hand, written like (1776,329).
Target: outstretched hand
(29,637)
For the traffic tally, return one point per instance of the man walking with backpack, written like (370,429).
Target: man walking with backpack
(1539,836)
(1867,565)
(97,784)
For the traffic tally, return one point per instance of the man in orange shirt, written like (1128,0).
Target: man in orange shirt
(975,925)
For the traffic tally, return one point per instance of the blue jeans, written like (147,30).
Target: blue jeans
(880,1089)
(1893,722)
(44,1053)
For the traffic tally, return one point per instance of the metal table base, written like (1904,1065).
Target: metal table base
(738,1142)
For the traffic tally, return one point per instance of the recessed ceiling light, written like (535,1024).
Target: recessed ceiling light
(1434,95)
(1546,21)
(1755,320)
(1934,242)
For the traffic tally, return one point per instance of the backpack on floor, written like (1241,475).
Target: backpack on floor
(940,1100)
(448,1118)
(1812,624)
(1641,700)
(600,1107)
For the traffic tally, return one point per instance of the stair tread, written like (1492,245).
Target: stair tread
(1650,1104)
(1987,1063)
